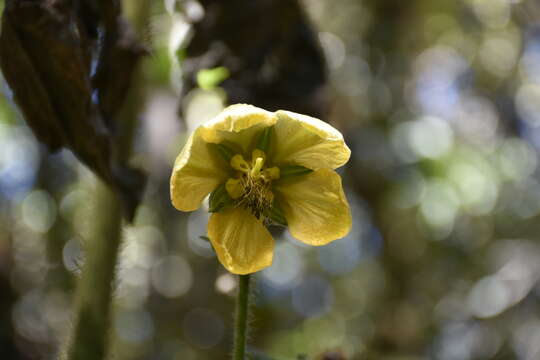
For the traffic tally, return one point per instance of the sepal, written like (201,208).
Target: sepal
(219,199)
(290,171)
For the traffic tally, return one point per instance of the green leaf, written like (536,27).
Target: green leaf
(226,152)
(209,79)
(219,199)
(289,171)
(263,142)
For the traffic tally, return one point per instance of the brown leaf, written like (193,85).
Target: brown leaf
(46,52)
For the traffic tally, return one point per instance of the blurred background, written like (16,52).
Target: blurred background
(439,102)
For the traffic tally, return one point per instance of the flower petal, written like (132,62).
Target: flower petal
(242,243)
(197,171)
(306,141)
(315,207)
(235,119)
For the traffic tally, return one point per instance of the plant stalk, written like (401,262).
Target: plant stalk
(241,318)
(89,337)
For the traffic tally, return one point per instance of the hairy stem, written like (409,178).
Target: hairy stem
(240,322)
(89,339)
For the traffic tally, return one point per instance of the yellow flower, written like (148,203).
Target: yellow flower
(259,168)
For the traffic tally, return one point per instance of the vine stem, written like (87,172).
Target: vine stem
(241,318)
(89,337)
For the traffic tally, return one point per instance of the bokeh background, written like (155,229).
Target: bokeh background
(439,102)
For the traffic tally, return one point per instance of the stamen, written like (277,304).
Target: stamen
(257,153)
(238,163)
(235,188)
(252,190)
(257,166)
(270,173)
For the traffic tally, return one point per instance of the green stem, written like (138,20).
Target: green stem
(89,337)
(242,313)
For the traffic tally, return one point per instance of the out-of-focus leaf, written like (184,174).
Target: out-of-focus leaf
(47,64)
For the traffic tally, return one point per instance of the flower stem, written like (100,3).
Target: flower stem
(240,322)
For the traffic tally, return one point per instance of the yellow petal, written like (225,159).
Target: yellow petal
(306,141)
(238,124)
(242,243)
(197,171)
(315,207)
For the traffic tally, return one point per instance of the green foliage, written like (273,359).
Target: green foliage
(209,79)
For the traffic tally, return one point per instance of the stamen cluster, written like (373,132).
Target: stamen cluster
(252,188)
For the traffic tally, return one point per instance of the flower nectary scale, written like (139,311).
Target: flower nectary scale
(262,168)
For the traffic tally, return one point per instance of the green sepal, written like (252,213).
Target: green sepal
(275,214)
(289,171)
(226,152)
(263,142)
(219,199)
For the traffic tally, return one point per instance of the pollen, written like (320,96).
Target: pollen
(252,188)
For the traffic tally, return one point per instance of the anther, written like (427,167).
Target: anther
(238,163)
(235,188)
(270,173)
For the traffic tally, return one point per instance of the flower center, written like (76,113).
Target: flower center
(252,185)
